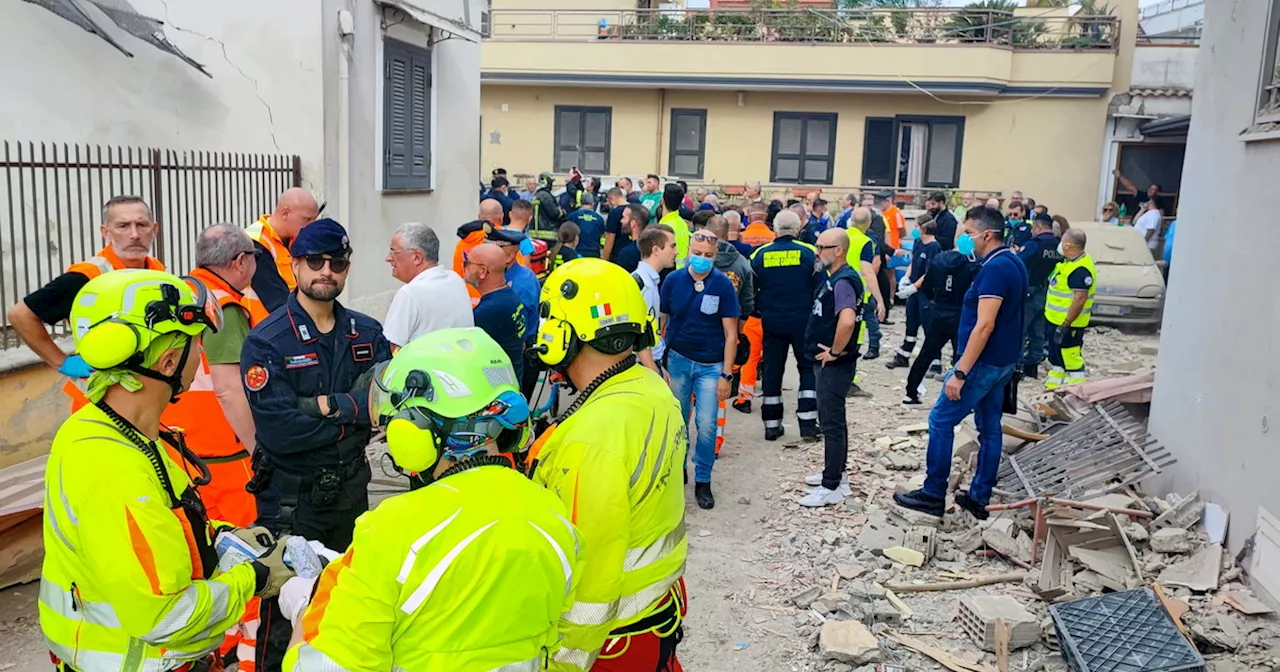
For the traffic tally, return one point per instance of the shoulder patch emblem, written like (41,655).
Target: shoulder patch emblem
(1088,281)
(255,378)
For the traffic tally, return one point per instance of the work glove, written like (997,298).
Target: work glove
(74,366)
(257,535)
(1059,334)
(743,353)
(310,406)
(277,572)
(295,595)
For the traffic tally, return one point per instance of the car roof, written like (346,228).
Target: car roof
(1111,244)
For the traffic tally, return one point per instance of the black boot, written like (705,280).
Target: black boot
(978,510)
(872,354)
(911,399)
(1031,371)
(742,405)
(702,493)
(922,502)
(809,431)
(897,361)
(772,433)
(856,392)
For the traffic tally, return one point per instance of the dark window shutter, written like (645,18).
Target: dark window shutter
(420,119)
(396,104)
(878,152)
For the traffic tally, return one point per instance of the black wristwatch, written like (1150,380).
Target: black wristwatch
(960,375)
(727,376)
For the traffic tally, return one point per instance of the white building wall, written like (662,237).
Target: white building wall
(1217,393)
(63,84)
(1159,66)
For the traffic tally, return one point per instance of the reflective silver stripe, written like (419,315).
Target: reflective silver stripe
(1060,294)
(577,543)
(771,401)
(534,664)
(311,659)
(91,661)
(564,561)
(52,516)
(804,394)
(423,591)
(769,424)
(639,558)
(807,415)
(412,557)
(635,475)
(634,605)
(657,464)
(179,617)
(62,602)
(578,658)
(221,594)
(66,505)
(591,613)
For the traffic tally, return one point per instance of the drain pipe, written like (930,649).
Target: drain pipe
(662,108)
(346,34)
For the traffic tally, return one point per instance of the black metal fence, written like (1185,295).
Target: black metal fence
(51,198)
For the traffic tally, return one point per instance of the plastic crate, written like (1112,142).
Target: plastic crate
(1122,632)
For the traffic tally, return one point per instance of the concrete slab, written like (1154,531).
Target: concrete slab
(849,642)
(1198,572)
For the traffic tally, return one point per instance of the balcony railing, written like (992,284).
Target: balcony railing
(864,26)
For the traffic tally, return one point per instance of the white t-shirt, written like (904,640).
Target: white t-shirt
(1149,221)
(649,279)
(436,299)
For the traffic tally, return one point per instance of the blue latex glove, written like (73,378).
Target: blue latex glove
(74,366)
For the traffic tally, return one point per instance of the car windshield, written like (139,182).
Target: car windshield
(1116,245)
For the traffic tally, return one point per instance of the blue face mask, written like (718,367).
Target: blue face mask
(964,244)
(526,247)
(700,265)
(915,234)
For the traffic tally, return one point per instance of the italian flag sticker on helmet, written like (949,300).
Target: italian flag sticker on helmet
(602,310)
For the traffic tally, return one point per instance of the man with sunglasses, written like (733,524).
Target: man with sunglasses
(307,370)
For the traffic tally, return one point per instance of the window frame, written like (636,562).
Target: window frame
(582,111)
(1269,75)
(804,117)
(930,120)
(394,48)
(700,153)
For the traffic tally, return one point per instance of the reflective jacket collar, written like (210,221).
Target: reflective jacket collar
(304,328)
(109,253)
(214,281)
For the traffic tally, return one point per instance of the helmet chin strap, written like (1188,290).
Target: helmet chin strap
(174,381)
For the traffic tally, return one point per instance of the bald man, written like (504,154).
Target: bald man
(272,234)
(490,211)
(499,312)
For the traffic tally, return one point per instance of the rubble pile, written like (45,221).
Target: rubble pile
(866,584)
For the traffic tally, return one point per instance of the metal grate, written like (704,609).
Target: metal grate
(1122,632)
(1103,451)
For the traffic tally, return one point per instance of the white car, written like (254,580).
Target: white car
(1130,285)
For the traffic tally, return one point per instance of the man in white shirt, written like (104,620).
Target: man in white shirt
(432,298)
(1148,225)
(657,246)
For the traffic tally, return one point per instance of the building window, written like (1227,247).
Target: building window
(912,152)
(1269,87)
(582,139)
(688,143)
(406,131)
(804,148)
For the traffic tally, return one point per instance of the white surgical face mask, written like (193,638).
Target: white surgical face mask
(1060,252)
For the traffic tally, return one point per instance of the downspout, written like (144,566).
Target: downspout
(346,34)
(662,110)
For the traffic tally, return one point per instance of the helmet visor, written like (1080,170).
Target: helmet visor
(382,401)
(203,310)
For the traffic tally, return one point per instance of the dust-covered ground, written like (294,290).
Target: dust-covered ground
(764,572)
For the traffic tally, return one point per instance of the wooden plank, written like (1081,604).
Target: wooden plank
(21,552)
(1003,634)
(1266,554)
(22,486)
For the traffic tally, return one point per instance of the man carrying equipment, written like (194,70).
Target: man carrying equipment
(469,573)
(614,458)
(130,577)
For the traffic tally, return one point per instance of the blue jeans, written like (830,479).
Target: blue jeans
(982,395)
(695,383)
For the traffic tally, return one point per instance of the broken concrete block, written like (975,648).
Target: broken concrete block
(883,443)
(897,460)
(1087,581)
(849,642)
(863,590)
(1002,543)
(850,570)
(1112,565)
(1136,532)
(966,442)
(906,556)
(806,597)
(1184,514)
(878,534)
(830,537)
(1172,540)
(978,616)
(883,612)
(1198,572)
(1148,349)
(968,541)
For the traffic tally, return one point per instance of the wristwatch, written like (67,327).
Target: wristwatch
(960,375)
(727,376)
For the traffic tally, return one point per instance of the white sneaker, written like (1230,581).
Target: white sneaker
(815,480)
(821,496)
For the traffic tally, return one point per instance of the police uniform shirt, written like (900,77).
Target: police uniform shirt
(1080,279)
(501,315)
(921,253)
(1017,232)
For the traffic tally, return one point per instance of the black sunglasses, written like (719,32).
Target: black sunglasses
(316,262)
(826,247)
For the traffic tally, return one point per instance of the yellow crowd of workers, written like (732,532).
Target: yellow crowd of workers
(206,502)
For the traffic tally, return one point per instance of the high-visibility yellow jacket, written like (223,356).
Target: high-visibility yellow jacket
(1060,296)
(617,463)
(122,586)
(858,241)
(468,574)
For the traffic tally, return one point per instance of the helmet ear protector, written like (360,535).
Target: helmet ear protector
(114,341)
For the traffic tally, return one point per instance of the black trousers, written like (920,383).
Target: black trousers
(939,331)
(776,344)
(332,526)
(917,314)
(533,367)
(833,381)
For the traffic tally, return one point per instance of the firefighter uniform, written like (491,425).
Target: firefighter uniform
(785,283)
(1065,357)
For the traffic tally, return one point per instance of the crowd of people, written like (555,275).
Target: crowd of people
(232,409)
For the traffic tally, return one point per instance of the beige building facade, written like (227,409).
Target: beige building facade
(912,100)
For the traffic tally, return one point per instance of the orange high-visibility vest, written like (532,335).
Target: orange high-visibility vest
(757,234)
(261,232)
(105,261)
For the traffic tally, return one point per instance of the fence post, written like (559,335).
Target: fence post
(297,170)
(157,203)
